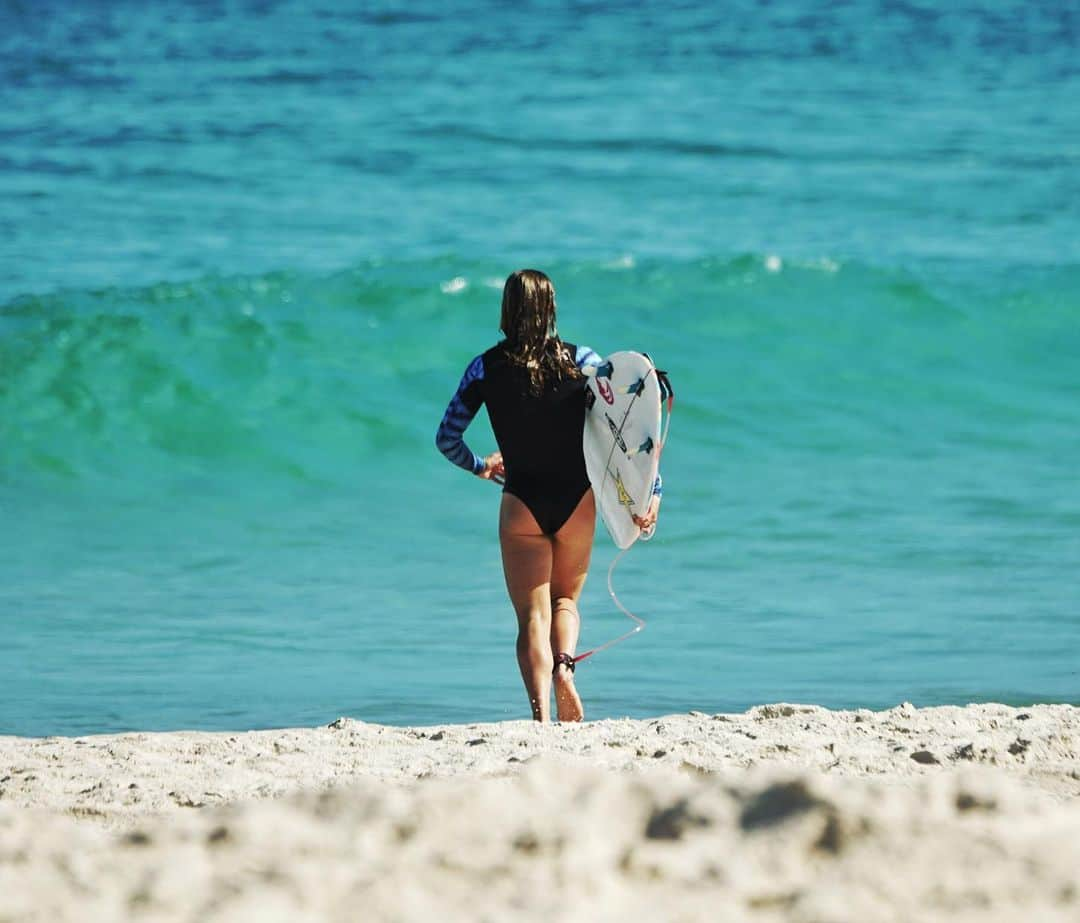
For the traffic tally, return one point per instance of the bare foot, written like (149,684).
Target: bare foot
(567,701)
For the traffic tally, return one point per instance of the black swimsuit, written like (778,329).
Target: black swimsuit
(539,436)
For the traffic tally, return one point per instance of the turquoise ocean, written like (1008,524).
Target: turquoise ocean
(248,248)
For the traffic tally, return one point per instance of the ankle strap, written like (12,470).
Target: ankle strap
(563,659)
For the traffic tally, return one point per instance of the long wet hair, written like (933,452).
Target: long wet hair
(528,323)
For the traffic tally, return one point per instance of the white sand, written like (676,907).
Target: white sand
(782,813)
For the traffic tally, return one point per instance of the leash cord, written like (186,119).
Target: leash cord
(640,622)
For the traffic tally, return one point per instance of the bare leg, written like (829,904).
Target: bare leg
(527,562)
(565,625)
(572,548)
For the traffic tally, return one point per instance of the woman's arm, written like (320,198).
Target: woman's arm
(459,414)
(587,357)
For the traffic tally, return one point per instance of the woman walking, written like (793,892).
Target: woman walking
(533,385)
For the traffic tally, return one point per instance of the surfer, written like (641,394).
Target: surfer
(533,385)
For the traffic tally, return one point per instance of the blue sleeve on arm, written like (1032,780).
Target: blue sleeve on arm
(459,414)
(586,357)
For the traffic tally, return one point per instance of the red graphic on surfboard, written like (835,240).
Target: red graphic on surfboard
(605,390)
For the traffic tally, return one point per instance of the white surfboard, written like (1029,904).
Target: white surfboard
(622,440)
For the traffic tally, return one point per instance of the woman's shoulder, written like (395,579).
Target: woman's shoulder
(488,356)
(494,354)
(583,355)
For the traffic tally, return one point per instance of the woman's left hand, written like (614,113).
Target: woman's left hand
(648,522)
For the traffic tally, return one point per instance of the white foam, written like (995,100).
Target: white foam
(455,285)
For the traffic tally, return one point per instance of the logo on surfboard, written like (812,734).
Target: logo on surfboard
(605,391)
(615,432)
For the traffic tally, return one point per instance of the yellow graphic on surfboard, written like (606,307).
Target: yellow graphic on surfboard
(624,497)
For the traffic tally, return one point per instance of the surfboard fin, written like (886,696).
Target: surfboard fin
(666,391)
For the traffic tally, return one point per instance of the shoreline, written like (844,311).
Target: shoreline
(781,812)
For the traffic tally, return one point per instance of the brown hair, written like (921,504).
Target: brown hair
(528,322)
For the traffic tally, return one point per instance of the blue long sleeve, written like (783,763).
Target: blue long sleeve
(459,414)
(587,357)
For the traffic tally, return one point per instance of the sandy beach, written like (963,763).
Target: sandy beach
(785,812)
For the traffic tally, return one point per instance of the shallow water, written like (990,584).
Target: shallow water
(247,251)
